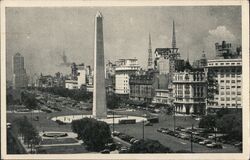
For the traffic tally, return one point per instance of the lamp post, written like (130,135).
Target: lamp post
(143,129)
(191,138)
(113,122)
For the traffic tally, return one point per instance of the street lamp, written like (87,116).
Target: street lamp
(113,122)
(191,138)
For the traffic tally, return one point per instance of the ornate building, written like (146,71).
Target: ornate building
(190,90)
(142,87)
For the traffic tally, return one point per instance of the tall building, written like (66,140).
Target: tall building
(224,75)
(73,71)
(224,83)
(99,95)
(110,77)
(226,51)
(190,90)
(124,68)
(142,87)
(81,76)
(19,72)
(150,56)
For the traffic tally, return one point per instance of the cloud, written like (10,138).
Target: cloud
(221,33)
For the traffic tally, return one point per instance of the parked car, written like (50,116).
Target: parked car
(105,151)
(214,145)
(123,150)
(116,133)
(148,124)
(206,141)
(132,140)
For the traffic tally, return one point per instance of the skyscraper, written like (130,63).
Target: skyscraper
(19,72)
(99,103)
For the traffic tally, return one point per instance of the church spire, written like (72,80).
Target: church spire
(150,58)
(173,37)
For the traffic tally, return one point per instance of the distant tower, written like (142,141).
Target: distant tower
(173,37)
(99,95)
(150,58)
(19,72)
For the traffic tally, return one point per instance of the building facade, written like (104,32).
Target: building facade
(224,83)
(142,87)
(190,90)
(124,68)
(162,96)
(19,72)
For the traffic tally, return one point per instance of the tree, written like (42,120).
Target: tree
(148,146)
(208,122)
(95,134)
(112,101)
(27,131)
(222,112)
(231,124)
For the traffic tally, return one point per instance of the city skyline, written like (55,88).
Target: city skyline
(72,33)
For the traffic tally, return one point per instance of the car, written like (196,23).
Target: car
(132,140)
(211,136)
(204,142)
(123,150)
(238,144)
(110,146)
(214,145)
(116,133)
(184,136)
(136,141)
(148,124)
(9,125)
(105,151)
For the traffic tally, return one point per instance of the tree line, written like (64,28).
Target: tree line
(225,122)
(82,95)
(27,132)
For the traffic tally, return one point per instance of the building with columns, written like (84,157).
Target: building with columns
(190,90)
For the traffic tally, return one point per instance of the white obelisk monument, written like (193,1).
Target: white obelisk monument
(99,97)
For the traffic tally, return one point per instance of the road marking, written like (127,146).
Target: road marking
(183,143)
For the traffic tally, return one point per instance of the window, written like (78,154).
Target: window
(222,93)
(222,64)
(238,86)
(228,98)
(222,99)
(233,81)
(238,81)
(233,86)
(221,81)
(227,81)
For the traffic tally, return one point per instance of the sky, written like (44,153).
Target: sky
(42,35)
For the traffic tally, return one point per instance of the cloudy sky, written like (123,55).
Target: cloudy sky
(41,35)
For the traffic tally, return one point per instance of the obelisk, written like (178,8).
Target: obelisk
(99,97)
